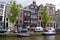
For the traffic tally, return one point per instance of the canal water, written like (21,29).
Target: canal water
(53,37)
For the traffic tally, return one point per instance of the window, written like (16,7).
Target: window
(0,18)
(25,23)
(42,24)
(1,12)
(35,11)
(40,18)
(35,7)
(24,18)
(57,13)
(6,24)
(48,25)
(1,6)
(7,19)
(7,12)
(32,11)
(7,7)
(32,7)
(33,21)
(27,14)
(51,25)
(41,9)
(20,21)
(54,25)
(0,23)
(33,16)
(51,9)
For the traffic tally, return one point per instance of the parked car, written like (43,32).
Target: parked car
(23,30)
(38,29)
(14,31)
(32,28)
(28,27)
(3,30)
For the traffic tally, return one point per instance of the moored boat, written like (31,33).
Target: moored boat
(49,31)
(24,35)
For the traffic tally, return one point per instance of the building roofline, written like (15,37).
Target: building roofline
(25,9)
(3,2)
(50,4)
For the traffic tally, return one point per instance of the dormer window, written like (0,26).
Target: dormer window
(32,7)
(35,7)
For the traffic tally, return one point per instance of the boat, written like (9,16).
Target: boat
(49,31)
(38,29)
(24,35)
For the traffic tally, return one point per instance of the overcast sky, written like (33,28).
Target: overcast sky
(38,2)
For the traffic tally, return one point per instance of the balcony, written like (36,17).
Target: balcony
(26,21)
(26,14)
(34,16)
(33,21)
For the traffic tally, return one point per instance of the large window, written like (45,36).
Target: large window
(33,16)
(1,5)
(32,11)
(33,21)
(27,14)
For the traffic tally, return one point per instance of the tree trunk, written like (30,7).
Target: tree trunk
(45,25)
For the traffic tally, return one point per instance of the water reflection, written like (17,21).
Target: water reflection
(36,38)
(50,37)
(29,38)
(58,37)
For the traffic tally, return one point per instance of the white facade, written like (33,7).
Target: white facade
(2,14)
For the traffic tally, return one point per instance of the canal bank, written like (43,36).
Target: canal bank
(42,37)
(57,32)
(32,33)
(15,34)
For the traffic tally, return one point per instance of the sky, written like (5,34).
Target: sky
(38,2)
